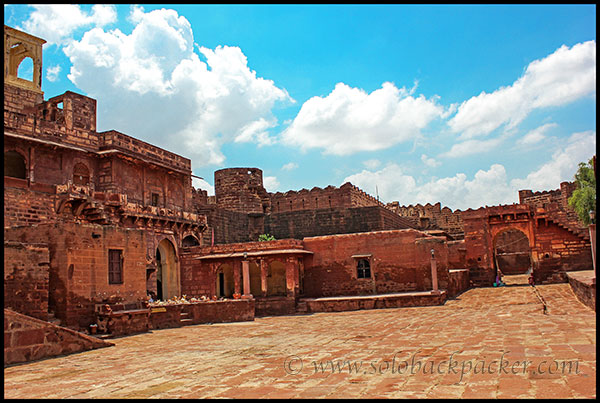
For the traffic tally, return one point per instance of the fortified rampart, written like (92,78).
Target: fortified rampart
(243,210)
(540,199)
(430,217)
(241,189)
(345,196)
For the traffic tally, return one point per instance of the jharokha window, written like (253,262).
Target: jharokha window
(115,266)
(81,174)
(363,269)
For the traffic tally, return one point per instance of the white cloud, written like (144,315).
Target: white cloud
(151,84)
(562,167)
(372,163)
(52,73)
(204,185)
(564,76)
(289,166)
(487,187)
(349,120)
(256,131)
(389,182)
(430,162)
(472,147)
(491,187)
(271,184)
(57,22)
(536,135)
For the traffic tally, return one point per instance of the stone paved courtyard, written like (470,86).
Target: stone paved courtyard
(471,347)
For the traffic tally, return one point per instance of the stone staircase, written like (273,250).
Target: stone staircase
(301,307)
(185,318)
(569,221)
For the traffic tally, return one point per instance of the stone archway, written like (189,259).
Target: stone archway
(512,253)
(167,274)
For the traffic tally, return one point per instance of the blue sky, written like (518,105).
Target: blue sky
(464,105)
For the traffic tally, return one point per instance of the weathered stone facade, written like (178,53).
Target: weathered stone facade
(551,248)
(100,218)
(80,194)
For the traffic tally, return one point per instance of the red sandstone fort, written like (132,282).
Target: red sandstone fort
(96,222)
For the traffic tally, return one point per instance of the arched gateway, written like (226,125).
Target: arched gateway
(512,253)
(167,276)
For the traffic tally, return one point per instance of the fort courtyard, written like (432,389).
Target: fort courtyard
(487,342)
(123,280)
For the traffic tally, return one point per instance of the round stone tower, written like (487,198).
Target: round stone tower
(241,189)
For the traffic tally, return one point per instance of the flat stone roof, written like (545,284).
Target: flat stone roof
(255,253)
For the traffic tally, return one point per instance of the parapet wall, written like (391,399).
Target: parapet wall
(542,198)
(74,124)
(345,196)
(328,221)
(114,140)
(30,339)
(431,217)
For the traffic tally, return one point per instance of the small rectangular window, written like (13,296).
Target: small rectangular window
(363,269)
(155,199)
(115,266)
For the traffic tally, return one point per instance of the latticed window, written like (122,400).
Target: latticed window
(363,269)
(115,266)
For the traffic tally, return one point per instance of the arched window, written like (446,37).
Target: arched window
(81,174)
(189,240)
(14,165)
(363,269)
(25,69)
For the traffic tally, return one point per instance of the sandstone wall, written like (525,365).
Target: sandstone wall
(26,278)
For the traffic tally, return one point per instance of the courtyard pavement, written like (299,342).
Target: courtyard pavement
(486,343)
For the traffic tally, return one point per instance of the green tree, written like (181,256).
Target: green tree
(265,237)
(583,199)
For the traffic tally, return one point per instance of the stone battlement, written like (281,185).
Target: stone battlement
(345,196)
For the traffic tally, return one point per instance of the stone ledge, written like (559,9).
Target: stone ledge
(30,339)
(353,303)
(583,285)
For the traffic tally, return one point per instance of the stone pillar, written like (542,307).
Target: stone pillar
(593,244)
(263,277)
(434,279)
(291,276)
(246,279)
(31,165)
(237,275)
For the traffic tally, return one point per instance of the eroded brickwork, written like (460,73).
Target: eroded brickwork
(78,270)
(26,278)
(399,261)
(431,217)
(28,339)
(244,210)
(553,246)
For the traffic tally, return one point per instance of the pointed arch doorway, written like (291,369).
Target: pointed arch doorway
(167,275)
(512,253)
